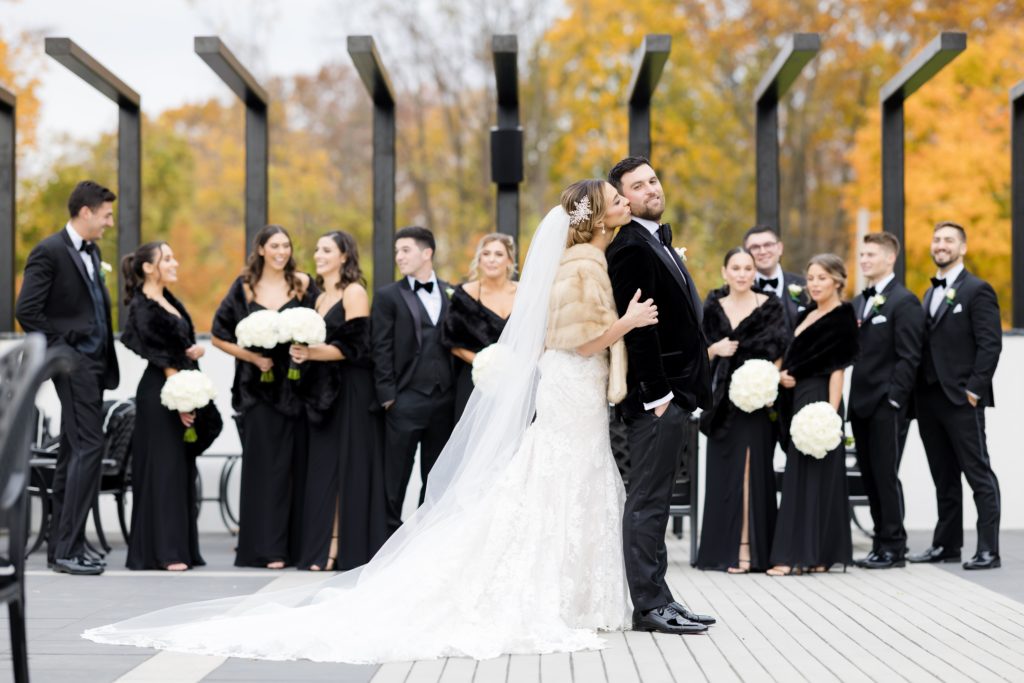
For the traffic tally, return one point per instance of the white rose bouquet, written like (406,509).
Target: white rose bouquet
(300,326)
(754,385)
(816,429)
(186,392)
(260,329)
(488,365)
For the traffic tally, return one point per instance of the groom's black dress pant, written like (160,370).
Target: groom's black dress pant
(654,447)
(880,438)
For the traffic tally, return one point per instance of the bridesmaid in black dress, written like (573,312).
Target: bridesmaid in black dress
(158,328)
(813,528)
(739,498)
(273,425)
(480,309)
(344,515)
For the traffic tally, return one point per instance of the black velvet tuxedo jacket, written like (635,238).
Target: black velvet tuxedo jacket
(673,354)
(55,299)
(890,338)
(963,340)
(395,331)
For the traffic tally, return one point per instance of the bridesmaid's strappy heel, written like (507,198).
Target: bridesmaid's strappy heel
(743,564)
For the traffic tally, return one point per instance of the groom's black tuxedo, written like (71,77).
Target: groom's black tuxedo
(670,356)
(963,341)
(890,338)
(61,300)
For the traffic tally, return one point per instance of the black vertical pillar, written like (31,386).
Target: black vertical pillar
(799,49)
(507,136)
(216,54)
(1017,200)
(378,85)
(8,177)
(647,67)
(129,139)
(915,73)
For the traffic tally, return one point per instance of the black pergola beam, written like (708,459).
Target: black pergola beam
(799,49)
(216,54)
(371,70)
(507,136)
(1017,202)
(129,142)
(648,65)
(923,66)
(8,177)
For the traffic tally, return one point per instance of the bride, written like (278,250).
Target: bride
(518,545)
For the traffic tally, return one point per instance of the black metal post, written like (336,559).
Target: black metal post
(647,67)
(216,54)
(915,73)
(794,55)
(371,70)
(1017,203)
(507,136)
(129,142)
(8,176)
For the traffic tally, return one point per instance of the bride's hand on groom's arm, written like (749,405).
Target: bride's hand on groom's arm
(640,313)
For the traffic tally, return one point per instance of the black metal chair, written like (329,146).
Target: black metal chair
(23,369)
(684,489)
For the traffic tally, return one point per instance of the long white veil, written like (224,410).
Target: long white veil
(482,443)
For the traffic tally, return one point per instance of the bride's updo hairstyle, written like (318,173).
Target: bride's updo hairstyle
(833,265)
(581,224)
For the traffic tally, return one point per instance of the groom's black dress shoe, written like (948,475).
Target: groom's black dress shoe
(685,613)
(983,560)
(77,566)
(883,559)
(935,554)
(666,620)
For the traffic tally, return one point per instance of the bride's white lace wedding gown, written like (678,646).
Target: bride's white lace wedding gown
(533,565)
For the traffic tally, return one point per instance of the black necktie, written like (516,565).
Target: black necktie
(938,282)
(87,247)
(868,292)
(665,234)
(772,282)
(429,286)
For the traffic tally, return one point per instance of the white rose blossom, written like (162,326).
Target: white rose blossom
(816,429)
(754,385)
(185,392)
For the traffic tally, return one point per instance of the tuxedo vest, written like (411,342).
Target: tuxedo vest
(95,345)
(433,364)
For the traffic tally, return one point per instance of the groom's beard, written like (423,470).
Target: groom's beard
(648,214)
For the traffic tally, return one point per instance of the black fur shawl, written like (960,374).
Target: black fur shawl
(469,324)
(158,336)
(829,344)
(763,334)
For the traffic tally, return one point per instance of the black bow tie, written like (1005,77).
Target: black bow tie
(772,282)
(665,234)
(938,282)
(868,292)
(429,286)
(87,247)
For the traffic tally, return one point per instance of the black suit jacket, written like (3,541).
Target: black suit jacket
(890,338)
(672,355)
(395,329)
(964,339)
(55,299)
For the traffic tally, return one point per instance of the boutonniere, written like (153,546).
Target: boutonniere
(877,301)
(682,253)
(449,291)
(104,269)
(794,292)
(950,295)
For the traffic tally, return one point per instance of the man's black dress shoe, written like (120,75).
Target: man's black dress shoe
(983,560)
(685,613)
(94,558)
(935,554)
(76,566)
(885,559)
(666,620)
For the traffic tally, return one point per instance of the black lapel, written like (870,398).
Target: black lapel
(941,313)
(97,270)
(409,297)
(675,268)
(858,307)
(75,258)
(442,288)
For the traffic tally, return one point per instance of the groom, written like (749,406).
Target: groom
(668,377)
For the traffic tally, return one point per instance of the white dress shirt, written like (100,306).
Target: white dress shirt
(432,300)
(777,289)
(653,228)
(939,293)
(879,286)
(76,242)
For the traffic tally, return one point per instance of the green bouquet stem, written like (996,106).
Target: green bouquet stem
(190,435)
(267,376)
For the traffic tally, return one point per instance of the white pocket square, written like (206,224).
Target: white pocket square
(878,319)
(959,307)
(801,309)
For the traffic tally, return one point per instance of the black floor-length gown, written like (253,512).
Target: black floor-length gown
(731,434)
(472,326)
(164,529)
(345,476)
(813,526)
(274,442)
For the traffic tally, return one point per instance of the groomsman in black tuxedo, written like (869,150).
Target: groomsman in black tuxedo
(963,340)
(64,296)
(891,333)
(413,372)
(765,245)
